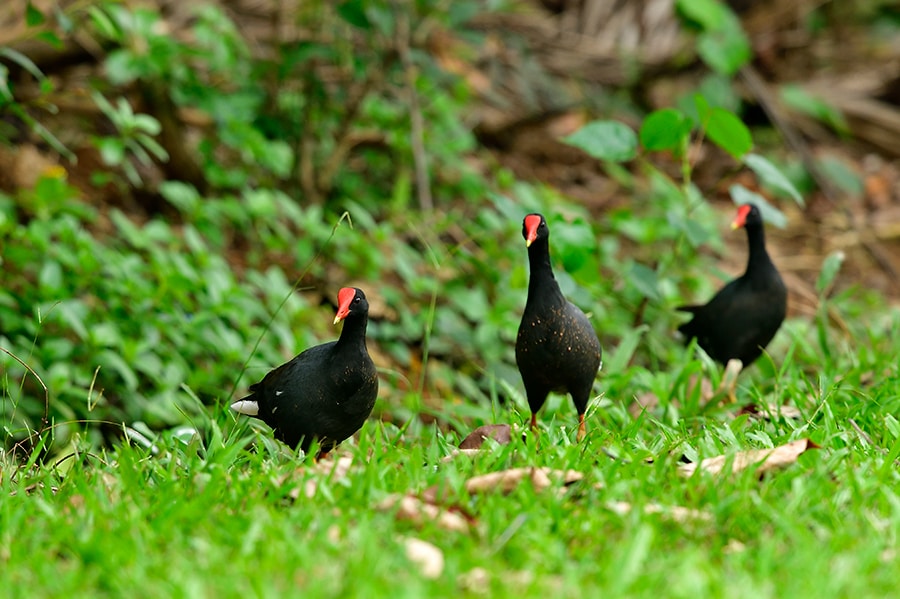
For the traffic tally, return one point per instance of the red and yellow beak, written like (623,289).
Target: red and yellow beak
(741,219)
(345,297)
(532,222)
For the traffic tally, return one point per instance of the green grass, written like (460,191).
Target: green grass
(226,515)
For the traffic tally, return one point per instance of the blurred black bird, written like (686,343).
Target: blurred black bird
(741,319)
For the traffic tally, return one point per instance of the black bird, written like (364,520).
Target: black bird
(741,319)
(556,348)
(327,391)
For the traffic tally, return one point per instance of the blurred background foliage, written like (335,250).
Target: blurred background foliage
(173,170)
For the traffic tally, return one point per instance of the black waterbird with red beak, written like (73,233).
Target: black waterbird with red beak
(556,348)
(741,319)
(327,391)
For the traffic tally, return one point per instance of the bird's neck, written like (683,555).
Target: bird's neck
(353,335)
(542,285)
(758,259)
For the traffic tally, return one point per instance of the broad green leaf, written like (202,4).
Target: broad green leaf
(617,360)
(665,129)
(51,38)
(724,50)
(51,276)
(842,175)
(741,195)
(33,16)
(354,13)
(181,195)
(709,14)
(147,124)
(830,268)
(112,361)
(728,132)
(771,176)
(644,279)
(605,140)
(806,103)
(112,150)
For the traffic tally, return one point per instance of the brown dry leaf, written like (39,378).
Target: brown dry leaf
(417,511)
(764,459)
(678,513)
(507,480)
(429,558)
(501,433)
(771,410)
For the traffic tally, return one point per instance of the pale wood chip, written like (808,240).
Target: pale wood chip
(428,557)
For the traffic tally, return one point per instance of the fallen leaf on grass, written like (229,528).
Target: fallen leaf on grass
(771,411)
(501,433)
(418,512)
(764,459)
(429,558)
(507,480)
(678,513)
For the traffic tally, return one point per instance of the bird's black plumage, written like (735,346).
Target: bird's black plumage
(324,393)
(741,319)
(557,349)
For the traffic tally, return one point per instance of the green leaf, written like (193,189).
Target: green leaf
(728,132)
(111,360)
(665,129)
(63,20)
(354,13)
(708,14)
(771,176)
(50,278)
(147,124)
(51,38)
(617,360)
(33,16)
(112,150)
(806,103)
(153,147)
(605,140)
(181,195)
(842,175)
(644,280)
(741,195)
(105,26)
(830,268)
(23,61)
(724,50)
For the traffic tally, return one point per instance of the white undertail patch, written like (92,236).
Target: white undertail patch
(245,406)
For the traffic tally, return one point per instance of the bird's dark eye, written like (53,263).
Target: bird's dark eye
(356,300)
